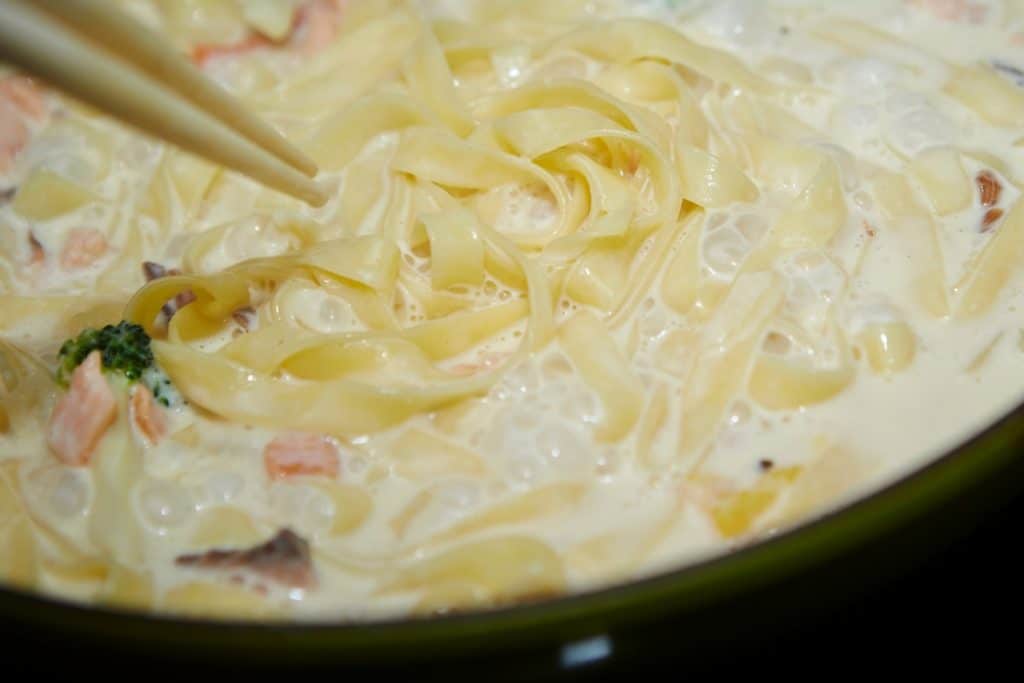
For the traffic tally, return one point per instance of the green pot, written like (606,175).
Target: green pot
(709,605)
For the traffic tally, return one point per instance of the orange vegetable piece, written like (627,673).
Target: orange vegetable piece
(82,416)
(82,248)
(147,416)
(299,454)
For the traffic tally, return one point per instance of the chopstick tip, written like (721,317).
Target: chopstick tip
(306,165)
(316,196)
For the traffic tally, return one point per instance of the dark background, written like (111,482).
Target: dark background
(958,609)
(955,611)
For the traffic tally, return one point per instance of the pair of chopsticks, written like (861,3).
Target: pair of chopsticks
(93,52)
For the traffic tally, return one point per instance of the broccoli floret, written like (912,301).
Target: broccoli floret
(125,348)
(126,351)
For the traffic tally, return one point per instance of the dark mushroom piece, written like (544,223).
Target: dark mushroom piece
(284,559)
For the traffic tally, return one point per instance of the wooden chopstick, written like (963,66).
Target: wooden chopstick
(33,40)
(119,33)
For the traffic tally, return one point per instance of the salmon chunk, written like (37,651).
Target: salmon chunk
(25,95)
(13,135)
(82,248)
(82,415)
(318,25)
(314,27)
(298,454)
(20,99)
(147,416)
(201,54)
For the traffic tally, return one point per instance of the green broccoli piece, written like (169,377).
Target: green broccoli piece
(126,351)
(125,348)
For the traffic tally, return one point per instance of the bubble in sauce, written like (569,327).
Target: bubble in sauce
(308,509)
(165,504)
(459,494)
(920,128)
(858,76)
(356,465)
(724,250)
(563,447)
(223,487)
(70,493)
(739,22)
(524,467)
